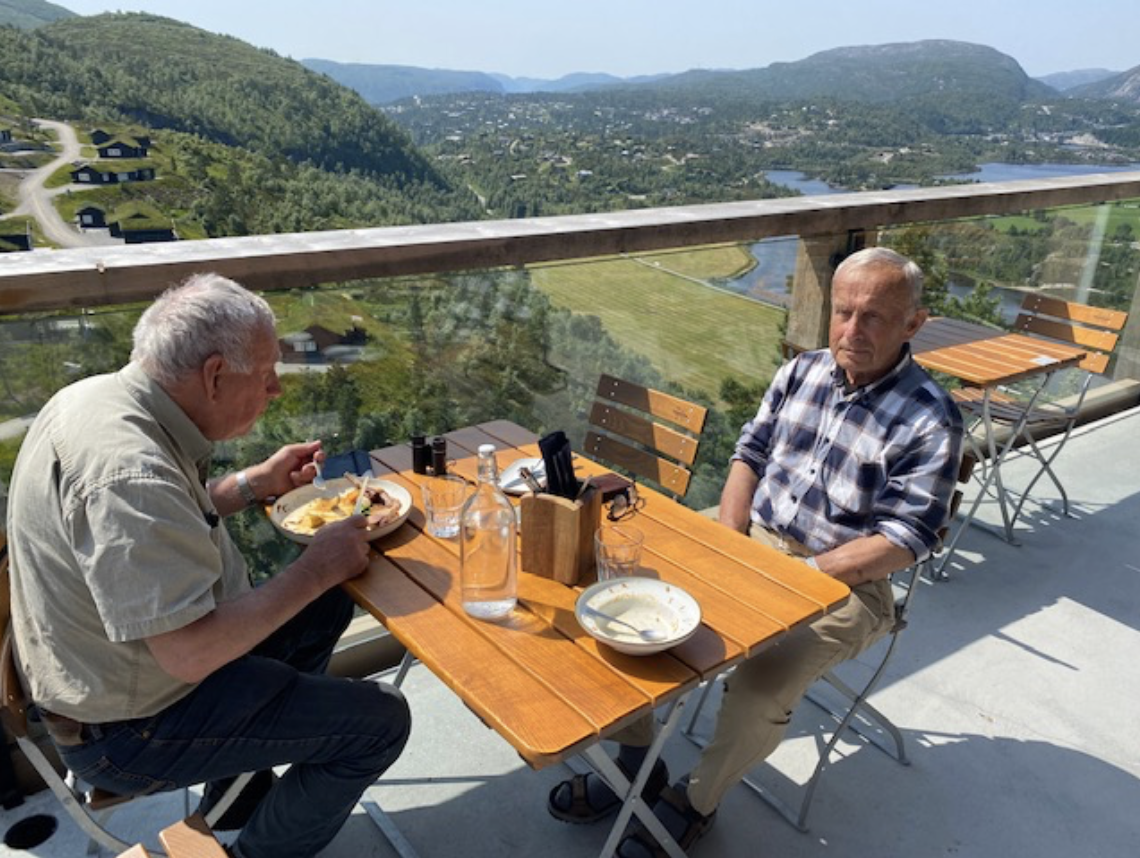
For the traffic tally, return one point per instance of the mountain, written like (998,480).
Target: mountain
(163,73)
(384,84)
(29,14)
(1064,81)
(954,87)
(1124,87)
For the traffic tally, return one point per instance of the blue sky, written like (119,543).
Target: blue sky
(533,38)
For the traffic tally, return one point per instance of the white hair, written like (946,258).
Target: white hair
(884,256)
(206,315)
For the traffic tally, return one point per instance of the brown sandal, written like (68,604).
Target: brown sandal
(680,819)
(579,811)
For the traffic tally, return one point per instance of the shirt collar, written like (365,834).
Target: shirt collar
(167,413)
(839,377)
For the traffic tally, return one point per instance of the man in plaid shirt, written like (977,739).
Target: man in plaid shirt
(850,464)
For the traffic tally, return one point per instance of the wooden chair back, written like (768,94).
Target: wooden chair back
(1094,329)
(625,430)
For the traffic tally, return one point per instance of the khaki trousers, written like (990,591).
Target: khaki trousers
(762,692)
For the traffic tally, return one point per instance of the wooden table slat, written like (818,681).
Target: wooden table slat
(543,727)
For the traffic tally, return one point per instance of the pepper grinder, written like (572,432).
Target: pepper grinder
(439,455)
(421,455)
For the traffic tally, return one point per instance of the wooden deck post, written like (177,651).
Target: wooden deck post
(810,309)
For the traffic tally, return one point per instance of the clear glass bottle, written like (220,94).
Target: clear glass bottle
(487,546)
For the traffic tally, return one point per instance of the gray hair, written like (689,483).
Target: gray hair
(206,315)
(884,256)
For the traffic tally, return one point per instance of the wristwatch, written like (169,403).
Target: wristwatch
(245,489)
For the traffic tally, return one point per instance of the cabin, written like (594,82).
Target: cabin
(318,345)
(139,223)
(92,217)
(105,174)
(15,242)
(122,148)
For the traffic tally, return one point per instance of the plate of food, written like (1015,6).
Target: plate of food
(614,611)
(305,510)
(513,481)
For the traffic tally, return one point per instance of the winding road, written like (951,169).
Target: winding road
(36,200)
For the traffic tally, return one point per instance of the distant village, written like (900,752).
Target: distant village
(122,158)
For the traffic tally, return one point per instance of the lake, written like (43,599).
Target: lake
(776,257)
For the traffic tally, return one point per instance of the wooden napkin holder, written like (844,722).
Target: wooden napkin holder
(558,535)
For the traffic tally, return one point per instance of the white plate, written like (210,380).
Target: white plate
(301,496)
(512,482)
(643,602)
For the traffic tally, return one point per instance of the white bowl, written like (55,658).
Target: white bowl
(297,498)
(646,603)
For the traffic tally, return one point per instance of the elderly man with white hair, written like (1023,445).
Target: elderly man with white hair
(153,661)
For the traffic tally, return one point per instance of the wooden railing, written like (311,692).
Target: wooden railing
(90,277)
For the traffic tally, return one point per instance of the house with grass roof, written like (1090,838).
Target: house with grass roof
(137,223)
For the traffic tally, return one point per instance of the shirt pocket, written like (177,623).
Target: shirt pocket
(855,483)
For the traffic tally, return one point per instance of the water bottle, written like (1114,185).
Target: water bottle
(487,549)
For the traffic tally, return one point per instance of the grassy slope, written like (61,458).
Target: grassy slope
(695,335)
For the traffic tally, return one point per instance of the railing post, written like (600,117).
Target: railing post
(810,309)
(1128,349)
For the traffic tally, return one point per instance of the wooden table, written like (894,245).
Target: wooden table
(538,679)
(988,358)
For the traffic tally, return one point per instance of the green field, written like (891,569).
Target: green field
(694,334)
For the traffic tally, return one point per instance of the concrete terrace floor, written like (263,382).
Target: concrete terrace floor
(1017,687)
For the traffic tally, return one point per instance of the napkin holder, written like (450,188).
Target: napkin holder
(558,535)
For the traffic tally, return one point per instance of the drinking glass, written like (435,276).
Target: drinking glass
(443,502)
(617,550)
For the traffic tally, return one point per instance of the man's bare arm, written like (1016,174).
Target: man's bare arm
(338,552)
(736,498)
(867,558)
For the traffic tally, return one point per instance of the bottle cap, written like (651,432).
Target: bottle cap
(486,449)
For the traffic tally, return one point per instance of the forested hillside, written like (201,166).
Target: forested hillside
(951,87)
(29,14)
(166,74)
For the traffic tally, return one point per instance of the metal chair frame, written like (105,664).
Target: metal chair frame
(90,808)
(853,716)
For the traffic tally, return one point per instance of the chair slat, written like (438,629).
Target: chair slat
(668,441)
(1092,338)
(687,415)
(671,477)
(1101,317)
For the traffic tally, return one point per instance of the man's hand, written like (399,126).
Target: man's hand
(338,552)
(285,470)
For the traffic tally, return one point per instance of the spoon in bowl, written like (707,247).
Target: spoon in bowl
(647,635)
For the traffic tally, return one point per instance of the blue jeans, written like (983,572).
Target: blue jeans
(271,707)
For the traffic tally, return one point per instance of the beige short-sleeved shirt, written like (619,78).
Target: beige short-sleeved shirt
(113,538)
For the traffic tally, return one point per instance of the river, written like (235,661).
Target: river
(776,257)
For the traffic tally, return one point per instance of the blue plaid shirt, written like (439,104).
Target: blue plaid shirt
(836,464)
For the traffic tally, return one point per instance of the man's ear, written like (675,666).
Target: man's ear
(211,373)
(916,322)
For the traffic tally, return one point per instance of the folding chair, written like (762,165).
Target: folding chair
(624,431)
(1095,329)
(90,808)
(855,713)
